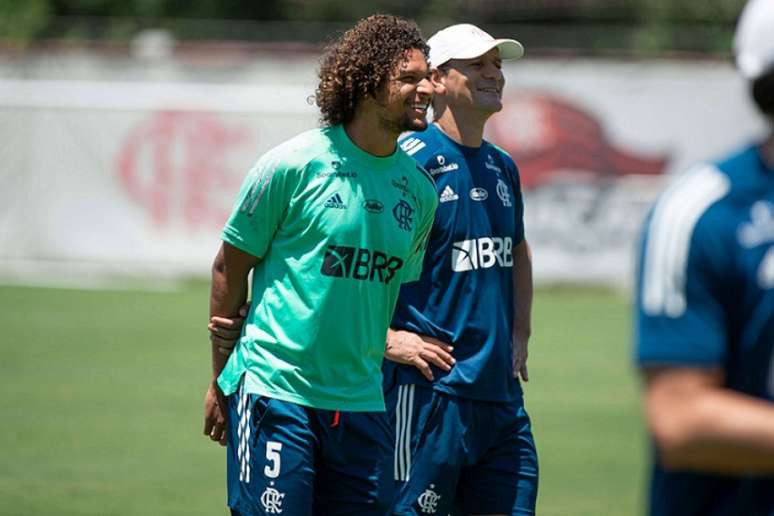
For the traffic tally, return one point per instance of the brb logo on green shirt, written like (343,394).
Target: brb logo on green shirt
(360,264)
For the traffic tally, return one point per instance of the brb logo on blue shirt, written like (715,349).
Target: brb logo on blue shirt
(482,253)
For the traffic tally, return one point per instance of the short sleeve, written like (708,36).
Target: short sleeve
(413,266)
(683,261)
(261,206)
(518,206)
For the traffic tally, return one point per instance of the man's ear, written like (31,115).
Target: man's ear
(437,80)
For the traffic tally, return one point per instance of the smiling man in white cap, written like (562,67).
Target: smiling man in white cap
(705,317)
(458,339)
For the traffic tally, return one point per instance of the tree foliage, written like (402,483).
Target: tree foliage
(645,24)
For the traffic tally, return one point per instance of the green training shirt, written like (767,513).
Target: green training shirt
(337,231)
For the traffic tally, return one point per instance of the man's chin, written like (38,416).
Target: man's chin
(416,124)
(488,104)
(492,107)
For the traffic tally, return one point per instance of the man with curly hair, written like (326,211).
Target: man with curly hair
(330,223)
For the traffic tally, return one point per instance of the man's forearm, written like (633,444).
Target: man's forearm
(228,293)
(224,301)
(711,429)
(727,432)
(522,291)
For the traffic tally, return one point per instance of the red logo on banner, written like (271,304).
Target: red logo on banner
(175,164)
(547,136)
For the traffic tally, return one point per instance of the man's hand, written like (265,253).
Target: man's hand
(520,354)
(225,331)
(405,347)
(215,414)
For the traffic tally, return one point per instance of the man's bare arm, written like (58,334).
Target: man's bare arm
(522,307)
(228,292)
(699,425)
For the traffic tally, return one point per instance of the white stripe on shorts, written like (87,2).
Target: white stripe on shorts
(243,435)
(404,411)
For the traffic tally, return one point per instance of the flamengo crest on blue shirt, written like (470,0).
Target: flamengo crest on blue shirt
(760,229)
(503,193)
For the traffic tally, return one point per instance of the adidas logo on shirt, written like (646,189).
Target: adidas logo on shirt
(335,201)
(448,195)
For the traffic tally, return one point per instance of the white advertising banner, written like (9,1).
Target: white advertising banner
(108,177)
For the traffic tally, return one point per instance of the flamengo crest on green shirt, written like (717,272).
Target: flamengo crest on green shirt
(337,231)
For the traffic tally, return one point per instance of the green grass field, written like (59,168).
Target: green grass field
(101,396)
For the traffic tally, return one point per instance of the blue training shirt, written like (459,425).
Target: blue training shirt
(465,294)
(706,299)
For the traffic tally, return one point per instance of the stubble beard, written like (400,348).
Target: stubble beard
(404,123)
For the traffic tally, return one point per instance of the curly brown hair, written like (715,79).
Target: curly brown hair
(360,62)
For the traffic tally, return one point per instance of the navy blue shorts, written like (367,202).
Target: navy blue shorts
(288,459)
(459,456)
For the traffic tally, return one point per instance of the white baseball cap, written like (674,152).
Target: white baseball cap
(754,39)
(466,41)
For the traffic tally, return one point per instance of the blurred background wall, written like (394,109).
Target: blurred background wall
(127,127)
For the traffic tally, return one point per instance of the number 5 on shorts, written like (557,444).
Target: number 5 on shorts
(273,448)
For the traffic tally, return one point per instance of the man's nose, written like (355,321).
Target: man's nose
(425,87)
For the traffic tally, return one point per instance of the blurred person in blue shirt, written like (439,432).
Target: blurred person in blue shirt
(704,333)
